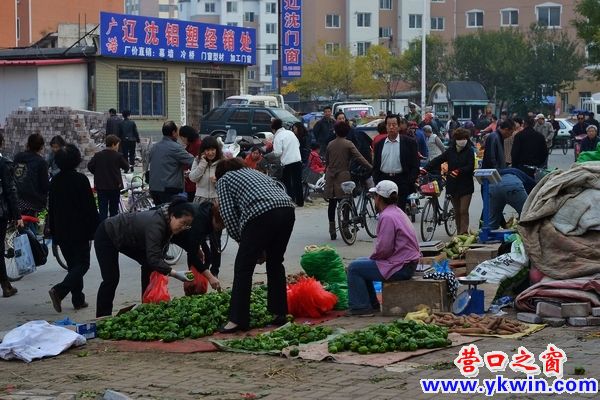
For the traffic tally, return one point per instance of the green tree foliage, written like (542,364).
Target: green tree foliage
(588,29)
(437,66)
(378,73)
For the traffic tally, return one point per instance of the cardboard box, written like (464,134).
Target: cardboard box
(426,262)
(479,254)
(401,297)
(87,330)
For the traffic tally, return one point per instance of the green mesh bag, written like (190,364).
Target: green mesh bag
(324,264)
(341,291)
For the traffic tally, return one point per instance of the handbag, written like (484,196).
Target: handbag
(23,256)
(39,250)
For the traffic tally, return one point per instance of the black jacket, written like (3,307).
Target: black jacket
(409,159)
(464,162)
(106,165)
(128,131)
(112,125)
(493,155)
(146,231)
(190,240)
(31,176)
(323,131)
(529,148)
(588,144)
(9,209)
(72,212)
(579,128)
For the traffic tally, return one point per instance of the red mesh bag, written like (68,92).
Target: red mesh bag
(198,286)
(157,290)
(308,298)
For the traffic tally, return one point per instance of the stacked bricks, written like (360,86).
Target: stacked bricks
(79,127)
(574,314)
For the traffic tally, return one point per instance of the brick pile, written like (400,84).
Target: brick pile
(83,128)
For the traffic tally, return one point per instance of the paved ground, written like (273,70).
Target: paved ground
(89,371)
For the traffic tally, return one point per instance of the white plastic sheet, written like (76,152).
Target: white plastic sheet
(37,339)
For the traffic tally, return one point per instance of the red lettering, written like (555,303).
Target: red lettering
(151,30)
(129,31)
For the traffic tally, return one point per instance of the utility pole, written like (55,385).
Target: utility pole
(423,56)
(279,45)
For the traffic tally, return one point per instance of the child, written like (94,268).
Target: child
(314,159)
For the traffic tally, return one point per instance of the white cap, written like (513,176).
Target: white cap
(540,116)
(385,189)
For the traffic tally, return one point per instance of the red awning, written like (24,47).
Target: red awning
(16,63)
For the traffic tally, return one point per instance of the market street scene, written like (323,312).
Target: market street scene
(353,199)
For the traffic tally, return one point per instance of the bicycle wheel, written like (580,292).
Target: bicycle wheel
(450,218)
(173,254)
(58,255)
(429,220)
(346,217)
(565,146)
(370,217)
(142,203)
(9,256)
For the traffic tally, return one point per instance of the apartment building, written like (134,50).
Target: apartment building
(152,8)
(24,22)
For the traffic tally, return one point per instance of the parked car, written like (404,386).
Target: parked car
(566,125)
(247,120)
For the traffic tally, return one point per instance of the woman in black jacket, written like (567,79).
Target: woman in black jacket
(459,181)
(9,211)
(73,218)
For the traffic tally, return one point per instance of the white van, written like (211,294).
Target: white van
(266,101)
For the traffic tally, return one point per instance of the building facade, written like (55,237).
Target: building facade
(152,8)
(24,22)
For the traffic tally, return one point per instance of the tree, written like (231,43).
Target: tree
(437,68)
(588,30)
(378,73)
(330,75)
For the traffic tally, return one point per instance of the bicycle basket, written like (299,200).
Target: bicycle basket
(430,189)
(348,187)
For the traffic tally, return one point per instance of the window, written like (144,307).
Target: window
(271,8)
(164,8)
(475,19)
(232,6)
(362,48)
(18,28)
(385,4)
(509,17)
(268,70)
(332,21)
(239,116)
(363,19)
(437,23)
(215,114)
(549,16)
(261,117)
(271,48)
(142,92)
(209,7)
(251,74)
(332,48)
(415,21)
(249,17)
(232,24)
(385,31)
(271,28)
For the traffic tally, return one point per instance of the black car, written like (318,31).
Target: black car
(247,120)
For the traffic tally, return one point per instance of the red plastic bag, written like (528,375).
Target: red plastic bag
(308,298)
(198,286)
(158,289)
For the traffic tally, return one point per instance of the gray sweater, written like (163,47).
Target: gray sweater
(167,161)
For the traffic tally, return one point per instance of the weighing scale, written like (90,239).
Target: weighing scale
(470,301)
(486,177)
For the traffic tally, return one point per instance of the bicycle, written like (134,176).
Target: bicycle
(354,212)
(433,213)
(12,232)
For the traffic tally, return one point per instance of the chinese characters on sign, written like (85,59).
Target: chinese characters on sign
(291,48)
(132,36)
(469,361)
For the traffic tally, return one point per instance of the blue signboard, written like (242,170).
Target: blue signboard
(132,36)
(291,30)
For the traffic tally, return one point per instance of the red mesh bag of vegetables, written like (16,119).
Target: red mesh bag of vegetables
(308,298)
(198,286)
(157,290)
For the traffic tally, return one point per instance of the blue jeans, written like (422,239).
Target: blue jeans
(361,274)
(509,190)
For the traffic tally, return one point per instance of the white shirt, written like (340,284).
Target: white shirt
(390,157)
(286,146)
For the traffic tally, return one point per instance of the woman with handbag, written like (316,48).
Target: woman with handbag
(9,211)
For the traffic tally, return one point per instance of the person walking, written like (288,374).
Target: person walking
(73,220)
(112,123)
(304,139)
(394,257)
(143,237)
(459,183)
(56,143)
(413,115)
(106,166)
(493,156)
(396,159)
(9,213)
(31,176)
(545,128)
(434,143)
(258,215)
(286,147)
(191,140)
(129,136)
(323,129)
(340,153)
(167,161)
(529,149)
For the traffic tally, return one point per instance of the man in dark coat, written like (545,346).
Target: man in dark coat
(112,123)
(323,130)
(493,156)
(529,148)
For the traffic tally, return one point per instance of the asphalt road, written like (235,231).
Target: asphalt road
(32,301)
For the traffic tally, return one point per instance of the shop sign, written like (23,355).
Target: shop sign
(139,37)
(291,31)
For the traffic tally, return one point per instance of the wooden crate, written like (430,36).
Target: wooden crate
(401,297)
(477,255)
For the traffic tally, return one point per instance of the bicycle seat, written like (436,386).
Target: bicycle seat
(30,219)
(348,187)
